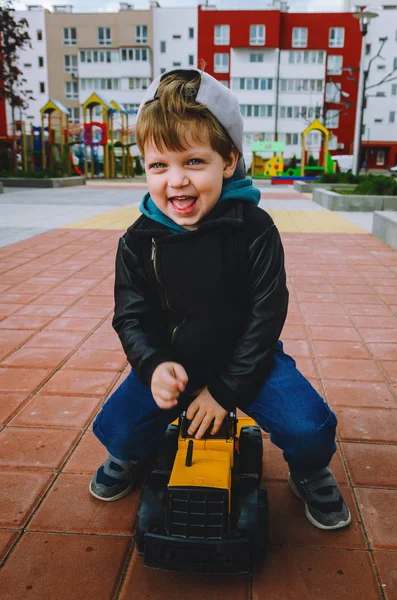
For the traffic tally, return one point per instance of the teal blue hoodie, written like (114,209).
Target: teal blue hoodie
(235,190)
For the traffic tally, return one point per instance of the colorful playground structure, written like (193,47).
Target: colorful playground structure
(100,146)
(273,168)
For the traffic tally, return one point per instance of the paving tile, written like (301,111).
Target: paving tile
(38,311)
(7,539)
(276,469)
(82,567)
(15,337)
(22,380)
(390,369)
(69,507)
(58,339)
(317,298)
(88,311)
(9,309)
(339,349)
(152,584)
(57,411)
(5,350)
(329,574)
(348,334)
(290,526)
(379,520)
(360,299)
(31,448)
(294,318)
(359,394)
(387,567)
(379,335)
(327,320)
(10,402)
(375,310)
(53,300)
(293,332)
(347,369)
(306,367)
(88,455)
(384,351)
(80,383)
(297,348)
(35,358)
(10,298)
(367,424)
(103,341)
(106,360)
(372,465)
(375,321)
(73,324)
(21,493)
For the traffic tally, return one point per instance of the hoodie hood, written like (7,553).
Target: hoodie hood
(242,190)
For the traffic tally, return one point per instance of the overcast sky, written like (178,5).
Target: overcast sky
(105,5)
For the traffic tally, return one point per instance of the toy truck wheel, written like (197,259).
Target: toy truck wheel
(250,451)
(166,453)
(260,539)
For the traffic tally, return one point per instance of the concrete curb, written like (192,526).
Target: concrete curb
(42,183)
(308,187)
(385,227)
(1,188)
(339,202)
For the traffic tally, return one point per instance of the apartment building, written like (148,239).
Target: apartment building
(175,38)
(108,53)
(380,114)
(286,69)
(33,64)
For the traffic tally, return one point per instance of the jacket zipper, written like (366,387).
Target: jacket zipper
(176,329)
(153,258)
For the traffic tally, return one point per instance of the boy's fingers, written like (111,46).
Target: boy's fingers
(196,422)
(181,376)
(191,411)
(217,425)
(166,404)
(205,423)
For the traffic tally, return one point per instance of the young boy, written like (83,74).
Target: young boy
(201,300)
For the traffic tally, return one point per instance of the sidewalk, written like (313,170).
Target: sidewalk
(60,358)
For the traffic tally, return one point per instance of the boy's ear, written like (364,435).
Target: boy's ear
(229,165)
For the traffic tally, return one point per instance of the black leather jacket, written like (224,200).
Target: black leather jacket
(214,298)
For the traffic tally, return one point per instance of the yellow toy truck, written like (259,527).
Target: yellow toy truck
(202,509)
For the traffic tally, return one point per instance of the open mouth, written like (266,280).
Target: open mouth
(183,205)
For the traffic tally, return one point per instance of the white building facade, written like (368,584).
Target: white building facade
(33,64)
(174,38)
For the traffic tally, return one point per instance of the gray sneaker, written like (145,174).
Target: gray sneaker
(114,479)
(324,505)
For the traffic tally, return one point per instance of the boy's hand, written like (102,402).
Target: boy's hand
(169,379)
(202,411)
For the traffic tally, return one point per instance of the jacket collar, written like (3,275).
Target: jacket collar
(229,213)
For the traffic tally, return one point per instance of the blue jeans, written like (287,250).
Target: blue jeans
(130,424)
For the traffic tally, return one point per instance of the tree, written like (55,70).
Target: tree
(14,37)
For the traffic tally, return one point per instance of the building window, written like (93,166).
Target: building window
(314,57)
(69,36)
(41,61)
(70,63)
(224,82)
(176,36)
(100,56)
(176,64)
(336,37)
(332,92)
(99,83)
(74,115)
(162,70)
(191,60)
(394,89)
(395,64)
(140,54)
(380,158)
(39,35)
(332,119)
(104,36)
(256,57)
(367,49)
(221,35)
(138,83)
(301,85)
(191,33)
(392,116)
(257,35)
(71,90)
(141,34)
(292,139)
(27,65)
(299,37)
(381,67)
(42,87)
(256,110)
(162,47)
(335,64)
(221,63)
(252,83)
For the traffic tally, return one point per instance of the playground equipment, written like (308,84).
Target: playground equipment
(54,145)
(328,164)
(265,168)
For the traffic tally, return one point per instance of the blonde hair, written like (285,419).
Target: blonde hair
(174,112)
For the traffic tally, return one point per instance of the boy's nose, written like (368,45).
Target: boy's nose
(178,179)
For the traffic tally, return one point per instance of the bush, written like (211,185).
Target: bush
(367,185)
(138,166)
(293,163)
(31,174)
(312,162)
(341,178)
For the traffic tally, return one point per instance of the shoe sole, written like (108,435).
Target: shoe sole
(311,518)
(113,498)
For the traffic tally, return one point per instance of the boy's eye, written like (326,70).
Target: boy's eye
(196,161)
(157,165)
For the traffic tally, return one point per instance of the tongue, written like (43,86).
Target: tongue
(184,204)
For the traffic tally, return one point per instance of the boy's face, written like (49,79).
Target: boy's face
(186,185)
